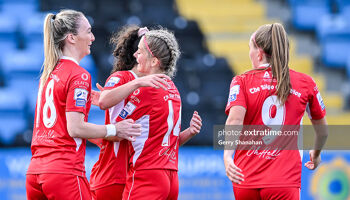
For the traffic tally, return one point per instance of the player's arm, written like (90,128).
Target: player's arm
(78,128)
(235,117)
(321,130)
(109,98)
(194,129)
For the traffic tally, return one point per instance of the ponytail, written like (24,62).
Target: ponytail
(279,61)
(273,40)
(51,51)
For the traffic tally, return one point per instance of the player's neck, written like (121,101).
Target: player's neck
(138,74)
(71,53)
(156,71)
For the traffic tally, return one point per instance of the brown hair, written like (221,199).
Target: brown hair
(126,44)
(56,28)
(164,46)
(273,40)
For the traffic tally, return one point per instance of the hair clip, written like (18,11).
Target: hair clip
(142,31)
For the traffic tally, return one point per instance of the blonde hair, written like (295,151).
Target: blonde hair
(164,46)
(56,28)
(273,40)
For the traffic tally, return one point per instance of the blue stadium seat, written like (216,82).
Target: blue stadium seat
(348,66)
(342,4)
(332,25)
(211,95)
(32,28)
(96,115)
(22,9)
(12,115)
(333,31)
(305,14)
(22,69)
(8,35)
(36,2)
(335,51)
(88,63)
(32,98)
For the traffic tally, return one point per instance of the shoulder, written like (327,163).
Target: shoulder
(126,75)
(246,76)
(301,77)
(119,77)
(76,70)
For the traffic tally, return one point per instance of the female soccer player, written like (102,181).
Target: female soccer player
(153,160)
(271,94)
(109,173)
(57,170)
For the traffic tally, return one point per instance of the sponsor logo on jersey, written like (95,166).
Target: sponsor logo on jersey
(266,75)
(84,76)
(234,91)
(112,81)
(320,101)
(136,92)
(80,97)
(127,110)
(80,103)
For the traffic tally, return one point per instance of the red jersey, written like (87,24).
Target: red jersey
(53,150)
(255,91)
(158,112)
(111,166)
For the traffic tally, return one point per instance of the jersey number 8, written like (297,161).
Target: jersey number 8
(49,121)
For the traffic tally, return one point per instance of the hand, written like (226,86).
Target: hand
(232,171)
(128,130)
(195,124)
(314,160)
(99,87)
(95,95)
(154,80)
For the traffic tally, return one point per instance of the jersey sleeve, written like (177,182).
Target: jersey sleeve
(316,108)
(79,91)
(236,96)
(115,80)
(138,104)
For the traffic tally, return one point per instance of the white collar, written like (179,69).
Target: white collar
(133,73)
(264,65)
(70,58)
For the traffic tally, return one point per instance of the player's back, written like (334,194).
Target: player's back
(256,91)
(158,111)
(67,89)
(263,107)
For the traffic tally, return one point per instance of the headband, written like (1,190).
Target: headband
(146,44)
